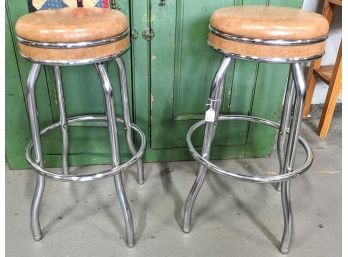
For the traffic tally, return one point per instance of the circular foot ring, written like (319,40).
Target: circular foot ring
(86,177)
(247,178)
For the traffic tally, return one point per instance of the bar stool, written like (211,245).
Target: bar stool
(262,34)
(78,36)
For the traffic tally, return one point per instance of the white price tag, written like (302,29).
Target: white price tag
(210,115)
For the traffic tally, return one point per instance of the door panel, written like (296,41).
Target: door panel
(182,68)
(16,125)
(169,80)
(83,95)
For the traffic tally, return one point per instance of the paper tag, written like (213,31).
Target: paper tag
(210,115)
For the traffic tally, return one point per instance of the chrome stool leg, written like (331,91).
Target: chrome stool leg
(291,124)
(127,122)
(62,119)
(111,118)
(127,214)
(300,86)
(284,126)
(35,133)
(215,97)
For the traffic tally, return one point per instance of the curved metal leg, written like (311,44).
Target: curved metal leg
(290,155)
(111,117)
(215,97)
(284,126)
(35,133)
(127,214)
(126,115)
(63,122)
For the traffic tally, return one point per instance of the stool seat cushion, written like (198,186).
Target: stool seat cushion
(72,25)
(267,23)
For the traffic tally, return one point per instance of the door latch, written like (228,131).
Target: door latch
(134,34)
(148,34)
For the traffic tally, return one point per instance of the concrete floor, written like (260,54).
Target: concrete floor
(230,218)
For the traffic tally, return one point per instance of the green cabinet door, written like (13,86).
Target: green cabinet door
(182,66)
(83,95)
(169,79)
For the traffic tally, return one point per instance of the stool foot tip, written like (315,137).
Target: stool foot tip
(38,238)
(284,251)
(131,245)
(186,229)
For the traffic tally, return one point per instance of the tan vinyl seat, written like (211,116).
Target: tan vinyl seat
(266,32)
(72,34)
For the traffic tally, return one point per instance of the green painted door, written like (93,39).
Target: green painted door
(169,79)
(83,95)
(182,66)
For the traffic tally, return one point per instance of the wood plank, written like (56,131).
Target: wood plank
(335,89)
(325,73)
(330,75)
(268,97)
(18,122)
(267,103)
(172,112)
(336,2)
(140,54)
(144,62)
(315,65)
(17,8)
(242,92)
(163,22)
(77,81)
(328,11)
(16,126)
(310,84)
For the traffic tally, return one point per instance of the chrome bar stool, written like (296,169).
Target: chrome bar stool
(78,36)
(261,34)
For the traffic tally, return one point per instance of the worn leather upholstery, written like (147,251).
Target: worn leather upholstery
(268,23)
(72,25)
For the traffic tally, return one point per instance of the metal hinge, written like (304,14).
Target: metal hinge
(148,34)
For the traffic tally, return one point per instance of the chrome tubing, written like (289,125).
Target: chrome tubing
(284,126)
(265,59)
(35,134)
(62,119)
(126,117)
(111,118)
(273,42)
(86,177)
(290,156)
(127,214)
(284,178)
(62,45)
(76,62)
(237,175)
(300,95)
(215,101)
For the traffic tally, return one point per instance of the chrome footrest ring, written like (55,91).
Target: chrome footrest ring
(247,178)
(86,177)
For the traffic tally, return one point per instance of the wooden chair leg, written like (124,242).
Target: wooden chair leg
(311,82)
(312,78)
(335,89)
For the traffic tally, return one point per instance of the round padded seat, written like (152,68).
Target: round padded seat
(72,35)
(268,33)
